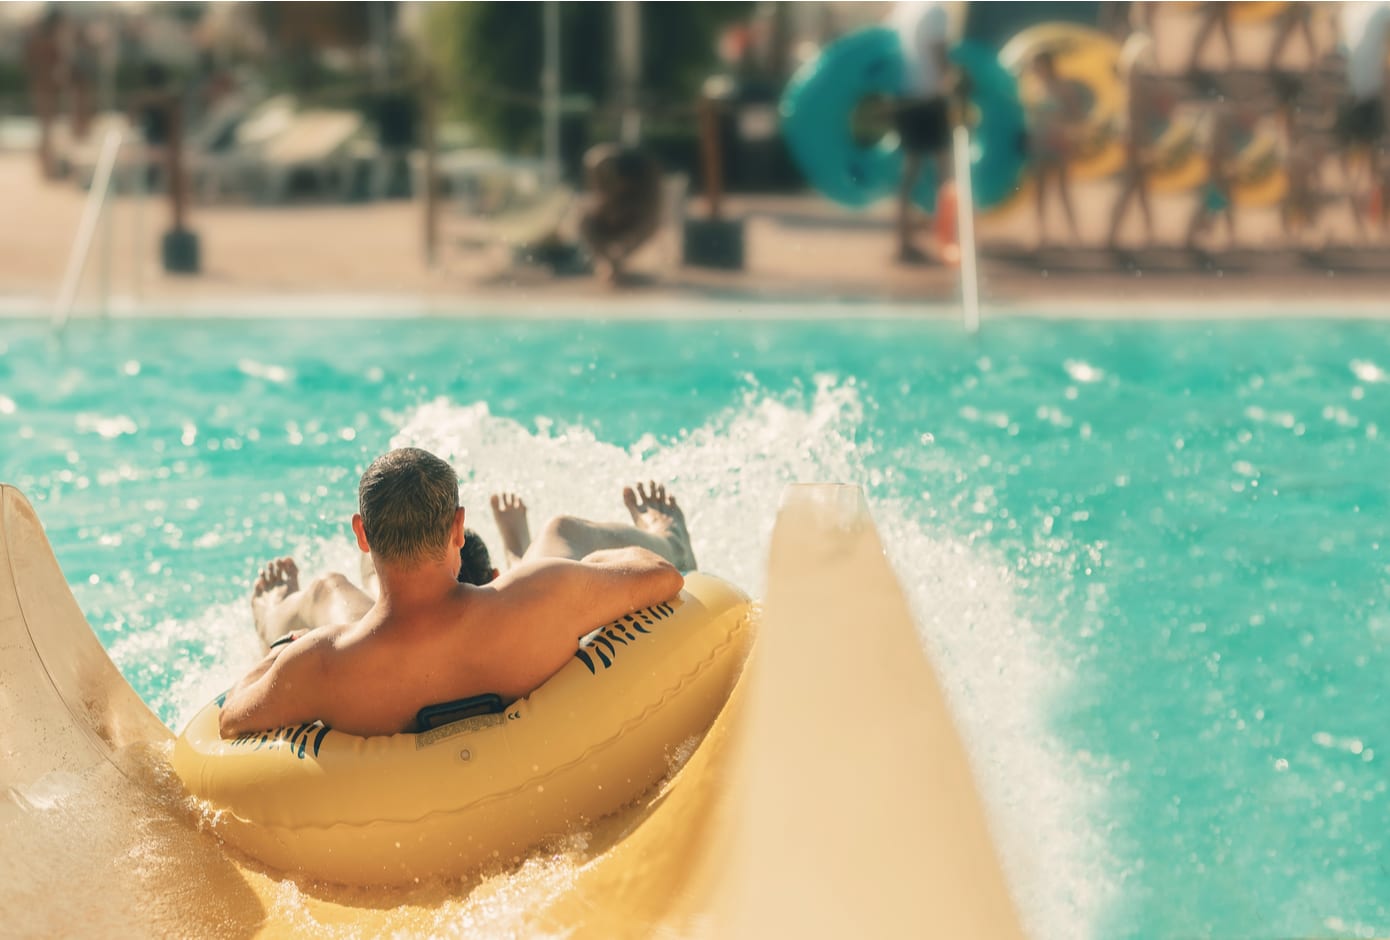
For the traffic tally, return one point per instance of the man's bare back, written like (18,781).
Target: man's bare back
(428,639)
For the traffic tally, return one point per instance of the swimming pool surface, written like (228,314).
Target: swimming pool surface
(1148,559)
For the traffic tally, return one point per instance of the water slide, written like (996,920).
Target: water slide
(831,798)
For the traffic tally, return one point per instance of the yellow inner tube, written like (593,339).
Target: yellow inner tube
(1089,58)
(1260,176)
(442,803)
(1179,164)
(1255,11)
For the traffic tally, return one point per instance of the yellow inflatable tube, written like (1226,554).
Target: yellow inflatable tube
(407,807)
(1088,58)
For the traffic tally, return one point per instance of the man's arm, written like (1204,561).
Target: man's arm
(282,690)
(556,601)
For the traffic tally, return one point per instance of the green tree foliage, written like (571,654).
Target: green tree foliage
(487,57)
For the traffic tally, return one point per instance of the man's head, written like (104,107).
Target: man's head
(408,507)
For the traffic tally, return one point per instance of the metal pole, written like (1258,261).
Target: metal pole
(550,91)
(629,29)
(141,169)
(965,227)
(86,229)
(107,245)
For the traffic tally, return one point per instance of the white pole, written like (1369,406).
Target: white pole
(91,214)
(138,256)
(550,92)
(965,224)
(107,246)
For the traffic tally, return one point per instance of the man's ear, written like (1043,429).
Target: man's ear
(360,531)
(495,575)
(457,533)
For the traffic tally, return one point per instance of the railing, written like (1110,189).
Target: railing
(86,230)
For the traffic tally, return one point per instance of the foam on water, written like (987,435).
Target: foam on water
(730,474)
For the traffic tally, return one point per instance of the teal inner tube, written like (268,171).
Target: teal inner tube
(819,103)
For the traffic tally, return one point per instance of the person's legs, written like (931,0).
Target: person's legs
(509,512)
(1295,18)
(1204,32)
(658,526)
(1117,215)
(279,607)
(1282,33)
(1141,188)
(1229,214)
(1215,17)
(598,237)
(912,167)
(1064,191)
(1200,220)
(1383,193)
(1042,173)
(1224,21)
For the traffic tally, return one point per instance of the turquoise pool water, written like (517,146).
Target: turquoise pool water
(1149,560)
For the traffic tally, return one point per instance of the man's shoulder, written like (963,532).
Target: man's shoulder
(535,578)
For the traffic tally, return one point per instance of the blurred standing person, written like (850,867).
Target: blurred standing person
(625,209)
(1053,121)
(1365,30)
(1215,198)
(922,115)
(1142,130)
(158,111)
(152,110)
(1301,208)
(1114,18)
(43,60)
(1308,121)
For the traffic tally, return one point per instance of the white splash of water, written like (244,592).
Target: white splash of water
(729,475)
(223,634)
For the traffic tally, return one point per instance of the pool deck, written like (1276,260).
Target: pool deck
(805,257)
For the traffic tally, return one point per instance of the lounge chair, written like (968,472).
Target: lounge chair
(318,144)
(224,164)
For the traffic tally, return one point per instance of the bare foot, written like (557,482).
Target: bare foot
(509,512)
(655,512)
(277,581)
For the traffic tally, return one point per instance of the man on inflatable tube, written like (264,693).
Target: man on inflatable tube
(428,638)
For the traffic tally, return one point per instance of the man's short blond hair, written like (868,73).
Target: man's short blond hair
(408,498)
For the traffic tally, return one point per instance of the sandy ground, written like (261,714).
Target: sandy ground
(802,254)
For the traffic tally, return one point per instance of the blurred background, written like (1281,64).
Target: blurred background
(1148,558)
(168,152)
